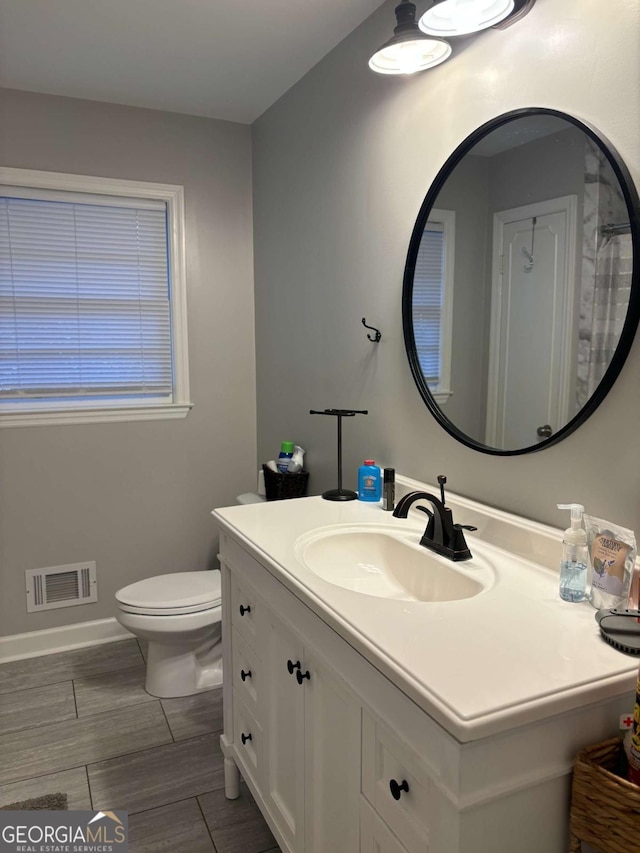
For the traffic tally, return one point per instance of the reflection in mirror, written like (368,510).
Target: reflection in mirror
(518,305)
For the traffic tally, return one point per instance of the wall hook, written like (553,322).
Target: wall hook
(376,339)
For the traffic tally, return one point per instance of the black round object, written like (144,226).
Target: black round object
(621,629)
(397,788)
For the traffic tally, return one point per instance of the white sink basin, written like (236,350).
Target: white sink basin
(388,563)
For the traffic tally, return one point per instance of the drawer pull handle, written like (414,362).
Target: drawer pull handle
(244,738)
(244,675)
(396,790)
(291,666)
(244,609)
(302,675)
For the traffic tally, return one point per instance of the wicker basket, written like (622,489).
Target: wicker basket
(279,487)
(605,808)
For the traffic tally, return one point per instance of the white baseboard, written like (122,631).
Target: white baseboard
(52,640)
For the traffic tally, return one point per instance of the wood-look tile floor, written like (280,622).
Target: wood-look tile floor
(80,722)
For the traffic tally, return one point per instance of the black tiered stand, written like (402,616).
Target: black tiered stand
(340,494)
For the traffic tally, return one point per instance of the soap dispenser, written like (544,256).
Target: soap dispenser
(573,567)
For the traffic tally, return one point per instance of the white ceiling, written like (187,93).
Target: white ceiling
(227,59)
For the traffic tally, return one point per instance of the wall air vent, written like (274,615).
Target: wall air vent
(61,586)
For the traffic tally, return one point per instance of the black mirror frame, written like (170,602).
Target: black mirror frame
(633,312)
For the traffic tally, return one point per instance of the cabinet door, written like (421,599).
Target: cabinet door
(283,754)
(332,765)
(376,837)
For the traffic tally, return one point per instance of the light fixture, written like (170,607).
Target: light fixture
(409,50)
(458,17)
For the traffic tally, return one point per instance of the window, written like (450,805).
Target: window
(433,302)
(92,299)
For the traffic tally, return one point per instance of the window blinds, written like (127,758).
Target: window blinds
(84,299)
(427,302)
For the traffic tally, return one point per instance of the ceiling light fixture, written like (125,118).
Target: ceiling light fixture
(446,18)
(409,50)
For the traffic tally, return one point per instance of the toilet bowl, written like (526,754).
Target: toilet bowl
(180,617)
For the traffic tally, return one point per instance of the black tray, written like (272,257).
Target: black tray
(621,629)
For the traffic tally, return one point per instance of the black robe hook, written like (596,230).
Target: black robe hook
(373,329)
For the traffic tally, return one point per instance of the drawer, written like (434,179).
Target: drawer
(247,673)
(247,613)
(247,737)
(388,763)
(375,835)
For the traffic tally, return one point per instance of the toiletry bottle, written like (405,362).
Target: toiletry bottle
(286,452)
(573,567)
(297,461)
(369,481)
(389,489)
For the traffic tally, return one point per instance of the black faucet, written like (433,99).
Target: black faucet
(442,535)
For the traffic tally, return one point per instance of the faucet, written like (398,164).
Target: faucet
(441,535)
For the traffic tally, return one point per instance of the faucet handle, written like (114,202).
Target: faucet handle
(458,542)
(425,510)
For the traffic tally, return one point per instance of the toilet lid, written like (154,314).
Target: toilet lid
(178,592)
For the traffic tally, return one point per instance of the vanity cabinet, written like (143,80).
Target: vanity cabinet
(340,759)
(311,749)
(300,722)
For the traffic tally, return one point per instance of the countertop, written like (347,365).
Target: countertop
(514,654)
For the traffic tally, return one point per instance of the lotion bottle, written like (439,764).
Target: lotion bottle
(369,481)
(573,566)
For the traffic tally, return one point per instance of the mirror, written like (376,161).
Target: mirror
(521,291)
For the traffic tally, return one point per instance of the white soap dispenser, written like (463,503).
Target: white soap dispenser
(573,567)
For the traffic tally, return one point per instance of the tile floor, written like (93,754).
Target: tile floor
(81,723)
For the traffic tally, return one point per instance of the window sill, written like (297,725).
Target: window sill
(95,416)
(441,397)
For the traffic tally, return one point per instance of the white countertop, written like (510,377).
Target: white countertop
(514,654)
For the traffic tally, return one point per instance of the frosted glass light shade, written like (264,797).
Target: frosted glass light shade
(459,17)
(409,56)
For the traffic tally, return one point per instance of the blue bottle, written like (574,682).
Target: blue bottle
(286,452)
(369,481)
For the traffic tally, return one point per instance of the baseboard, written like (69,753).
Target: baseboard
(52,640)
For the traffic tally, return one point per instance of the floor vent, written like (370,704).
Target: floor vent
(61,586)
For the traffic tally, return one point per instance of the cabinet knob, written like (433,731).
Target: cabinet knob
(302,675)
(244,675)
(397,789)
(244,609)
(244,738)
(291,666)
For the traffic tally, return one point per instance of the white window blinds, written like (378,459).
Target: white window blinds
(84,298)
(428,287)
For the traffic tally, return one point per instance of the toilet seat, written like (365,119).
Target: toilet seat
(172,595)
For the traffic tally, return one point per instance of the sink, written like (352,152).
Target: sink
(386,563)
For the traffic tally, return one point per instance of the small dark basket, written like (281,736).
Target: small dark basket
(280,487)
(605,808)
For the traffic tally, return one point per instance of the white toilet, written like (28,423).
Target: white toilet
(180,617)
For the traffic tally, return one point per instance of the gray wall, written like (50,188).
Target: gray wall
(136,497)
(341,165)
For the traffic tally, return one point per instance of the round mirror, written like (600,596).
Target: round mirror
(521,291)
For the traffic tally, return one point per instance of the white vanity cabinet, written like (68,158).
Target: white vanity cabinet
(302,760)
(340,745)
(311,748)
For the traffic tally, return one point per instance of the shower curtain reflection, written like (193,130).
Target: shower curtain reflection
(611,295)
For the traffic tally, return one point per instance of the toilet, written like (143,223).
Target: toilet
(179,615)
